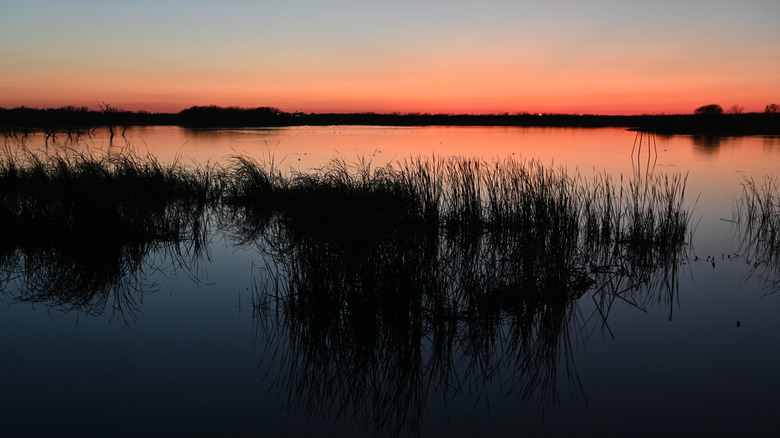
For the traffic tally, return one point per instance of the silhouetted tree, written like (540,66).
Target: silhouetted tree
(74,109)
(107,110)
(736,109)
(772,108)
(709,110)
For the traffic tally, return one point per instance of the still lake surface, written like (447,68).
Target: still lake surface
(192,354)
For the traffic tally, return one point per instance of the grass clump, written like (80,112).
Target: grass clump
(49,197)
(482,261)
(78,227)
(757,215)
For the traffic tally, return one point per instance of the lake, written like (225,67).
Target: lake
(201,341)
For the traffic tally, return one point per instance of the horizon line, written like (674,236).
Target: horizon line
(102,107)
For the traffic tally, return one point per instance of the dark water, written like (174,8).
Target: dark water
(194,341)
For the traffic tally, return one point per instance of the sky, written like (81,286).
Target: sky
(428,56)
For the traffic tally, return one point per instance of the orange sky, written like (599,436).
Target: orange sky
(604,57)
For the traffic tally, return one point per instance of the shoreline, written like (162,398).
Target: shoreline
(25,120)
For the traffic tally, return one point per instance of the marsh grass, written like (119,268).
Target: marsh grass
(78,228)
(507,229)
(482,261)
(758,210)
(384,286)
(756,214)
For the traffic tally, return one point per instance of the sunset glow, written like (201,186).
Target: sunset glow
(603,57)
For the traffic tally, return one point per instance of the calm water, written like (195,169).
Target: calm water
(184,349)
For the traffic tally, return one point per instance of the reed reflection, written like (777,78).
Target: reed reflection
(386,288)
(756,216)
(81,231)
(653,262)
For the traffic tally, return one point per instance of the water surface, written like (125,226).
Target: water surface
(181,346)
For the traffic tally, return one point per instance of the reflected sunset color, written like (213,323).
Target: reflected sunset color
(714,165)
(315,303)
(308,147)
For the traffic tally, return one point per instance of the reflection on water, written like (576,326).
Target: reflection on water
(707,144)
(379,293)
(79,230)
(757,226)
(384,291)
(383,286)
(367,330)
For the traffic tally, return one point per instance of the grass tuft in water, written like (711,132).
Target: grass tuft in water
(757,215)
(78,228)
(482,260)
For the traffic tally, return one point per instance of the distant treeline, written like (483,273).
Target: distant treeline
(66,118)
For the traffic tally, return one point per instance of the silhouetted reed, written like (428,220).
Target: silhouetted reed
(384,287)
(79,228)
(390,286)
(758,211)
(757,218)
